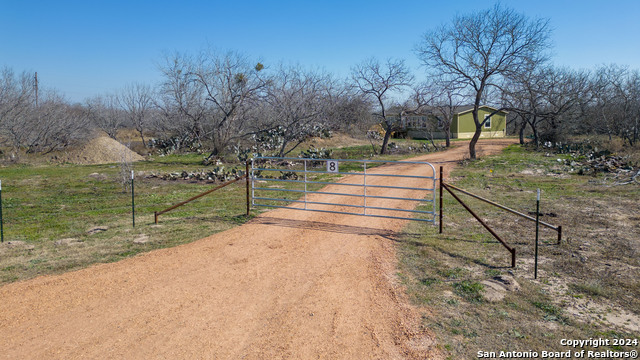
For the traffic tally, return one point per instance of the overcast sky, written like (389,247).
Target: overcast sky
(85,48)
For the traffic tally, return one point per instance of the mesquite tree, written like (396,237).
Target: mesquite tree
(481,49)
(378,81)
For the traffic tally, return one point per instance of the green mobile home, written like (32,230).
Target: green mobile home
(429,124)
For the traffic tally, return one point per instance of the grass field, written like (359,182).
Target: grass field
(587,287)
(46,203)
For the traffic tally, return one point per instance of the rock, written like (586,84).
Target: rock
(142,239)
(496,288)
(97,229)
(492,291)
(67,242)
(508,282)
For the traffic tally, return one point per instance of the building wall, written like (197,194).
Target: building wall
(424,134)
(464,127)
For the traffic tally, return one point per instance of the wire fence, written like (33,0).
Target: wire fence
(42,214)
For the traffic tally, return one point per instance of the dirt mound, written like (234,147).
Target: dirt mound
(100,150)
(286,285)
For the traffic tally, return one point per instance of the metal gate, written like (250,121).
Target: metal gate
(279,182)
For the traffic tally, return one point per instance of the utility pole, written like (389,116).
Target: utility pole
(36,86)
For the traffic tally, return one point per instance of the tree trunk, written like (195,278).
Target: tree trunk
(142,137)
(215,152)
(281,152)
(536,139)
(476,135)
(522,128)
(387,135)
(447,136)
(474,140)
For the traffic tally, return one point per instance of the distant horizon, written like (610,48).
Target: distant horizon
(83,49)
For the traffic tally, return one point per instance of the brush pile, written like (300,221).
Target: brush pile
(588,160)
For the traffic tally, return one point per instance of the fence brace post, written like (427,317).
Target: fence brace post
(559,234)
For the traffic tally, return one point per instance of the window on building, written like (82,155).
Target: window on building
(487,122)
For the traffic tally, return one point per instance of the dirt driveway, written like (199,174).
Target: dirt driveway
(289,284)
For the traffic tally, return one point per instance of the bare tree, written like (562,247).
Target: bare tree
(440,98)
(350,111)
(105,114)
(232,84)
(481,49)
(615,109)
(137,101)
(53,125)
(298,102)
(182,102)
(524,95)
(378,81)
(213,92)
(546,99)
(563,93)
(16,101)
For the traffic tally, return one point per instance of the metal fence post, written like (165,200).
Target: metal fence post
(559,234)
(253,185)
(364,184)
(441,179)
(535,266)
(248,179)
(133,204)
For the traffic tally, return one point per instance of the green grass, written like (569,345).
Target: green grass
(598,260)
(469,290)
(45,203)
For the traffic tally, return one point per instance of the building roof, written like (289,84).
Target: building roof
(430,110)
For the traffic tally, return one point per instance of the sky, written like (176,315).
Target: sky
(92,47)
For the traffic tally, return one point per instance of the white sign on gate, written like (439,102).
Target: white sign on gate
(332,166)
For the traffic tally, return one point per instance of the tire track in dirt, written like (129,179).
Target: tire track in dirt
(287,285)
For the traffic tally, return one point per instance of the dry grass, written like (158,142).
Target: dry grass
(43,204)
(588,286)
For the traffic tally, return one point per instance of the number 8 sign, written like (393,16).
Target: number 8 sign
(332,166)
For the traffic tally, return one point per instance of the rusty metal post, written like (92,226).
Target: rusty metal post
(501,206)
(155,217)
(441,179)
(200,195)
(509,248)
(248,179)
(559,234)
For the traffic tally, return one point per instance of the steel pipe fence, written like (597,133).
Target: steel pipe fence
(306,170)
